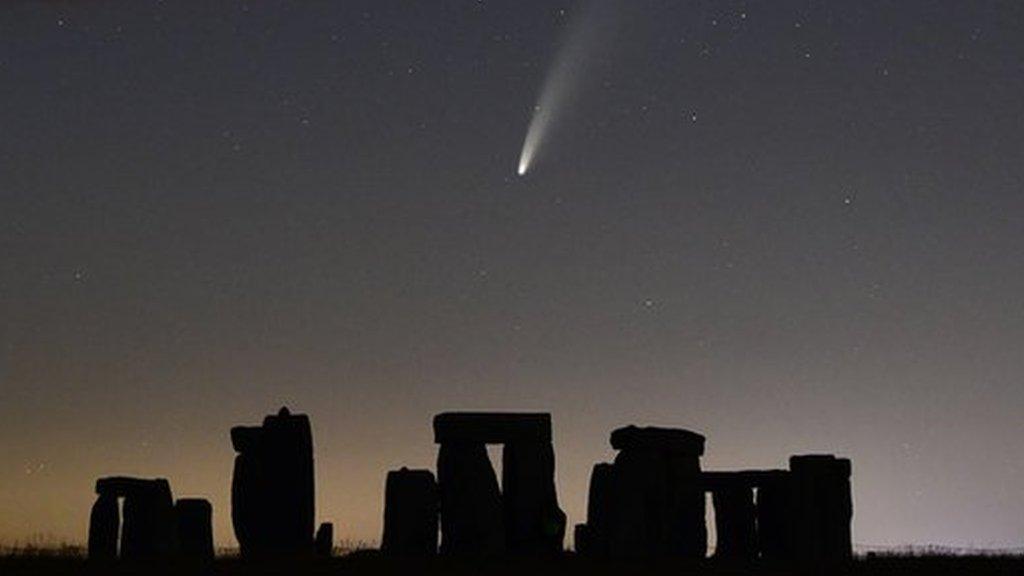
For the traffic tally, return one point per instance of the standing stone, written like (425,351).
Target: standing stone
(775,528)
(410,513)
(582,540)
(149,530)
(104,523)
(272,492)
(656,506)
(471,513)
(593,538)
(324,541)
(823,508)
(735,523)
(195,529)
(687,525)
(534,524)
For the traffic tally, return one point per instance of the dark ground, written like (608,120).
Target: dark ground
(369,564)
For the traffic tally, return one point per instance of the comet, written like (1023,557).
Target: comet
(565,76)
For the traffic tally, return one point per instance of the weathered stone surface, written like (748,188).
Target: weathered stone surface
(149,530)
(324,541)
(471,511)
(662,439)
(822,508)
(272,492)
(195,529)
(735,524)
(104,524)
(534,524)
(492,427)
(410,513)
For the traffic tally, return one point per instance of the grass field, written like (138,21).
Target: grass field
(55,562)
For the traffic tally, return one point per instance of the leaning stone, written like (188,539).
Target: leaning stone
(492,427)
(410,513)
(471,512)
(104,523)
(195,529)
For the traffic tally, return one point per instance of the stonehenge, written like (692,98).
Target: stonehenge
(272,490)
(648,503)
(153,526)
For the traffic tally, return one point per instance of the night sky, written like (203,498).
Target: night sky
(791,226)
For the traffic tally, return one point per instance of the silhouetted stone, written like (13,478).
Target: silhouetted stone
(492,427)
(149,530)
(471,513)
(822,508)
(195,529)
(324,541)
(650,502)
(582,540)
(600,510)
(775,519)
(410,513)
(534,524)
(735,524)
(195,524)
(661,439)
(272,491)
(104,524)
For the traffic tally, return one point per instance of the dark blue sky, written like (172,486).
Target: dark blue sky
(791,226)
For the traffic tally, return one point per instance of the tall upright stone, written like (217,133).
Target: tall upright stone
(775,525)
(104,525)
(272,491)
(822,508)
(410,513)
(534,524)
(593,538)
(195,529)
